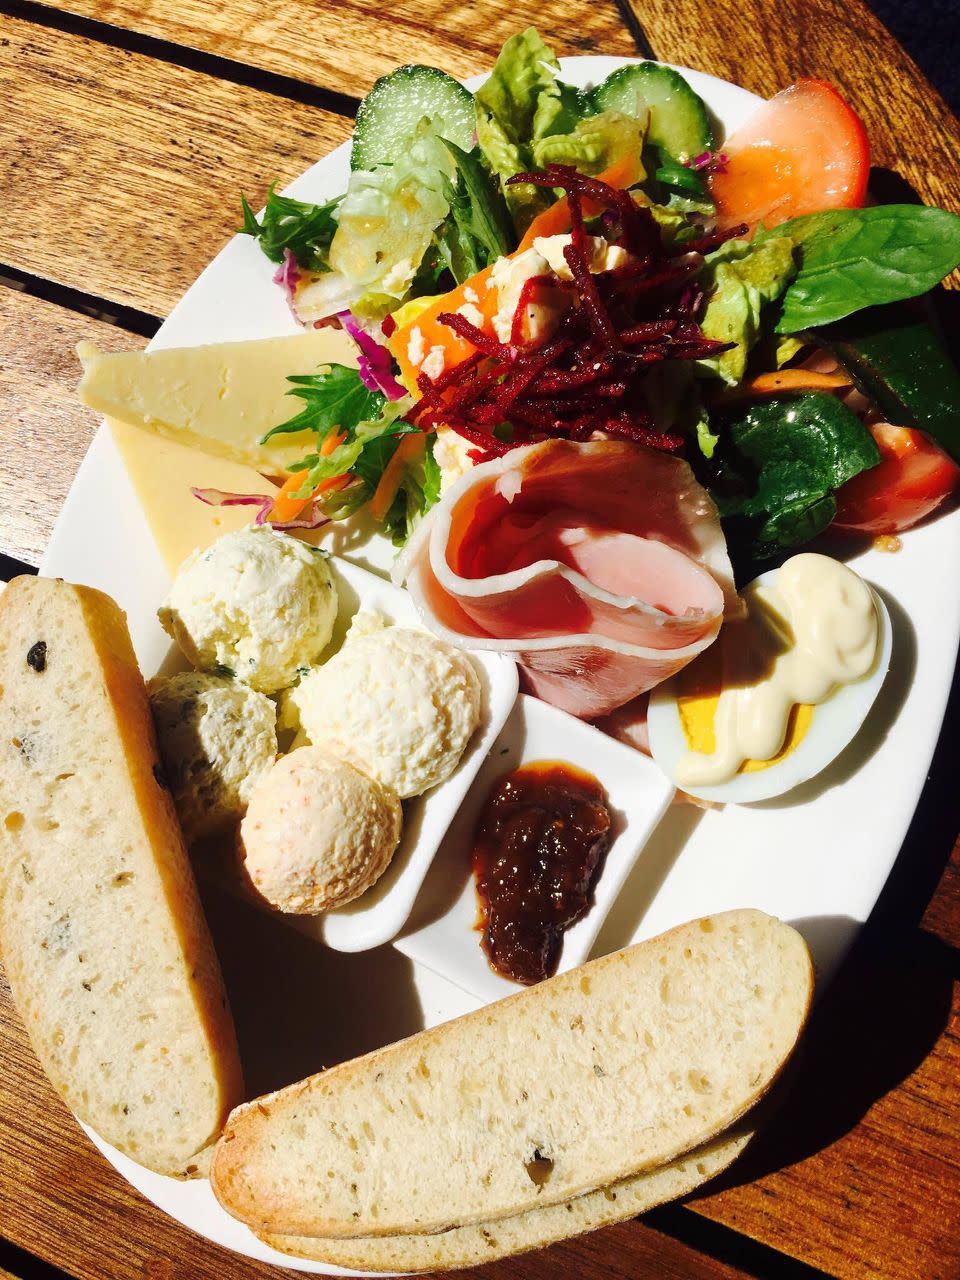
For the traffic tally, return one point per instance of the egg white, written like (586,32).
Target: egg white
(834,724)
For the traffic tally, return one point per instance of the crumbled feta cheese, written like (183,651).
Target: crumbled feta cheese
(509,275)
(471,295)
(603,256)
(399,278)
(432,364)
(471,313)
(416,347)
(452,455)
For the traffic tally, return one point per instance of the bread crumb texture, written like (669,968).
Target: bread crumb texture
(104,941)
(590,1077)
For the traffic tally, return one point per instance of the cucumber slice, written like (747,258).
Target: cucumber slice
(396,104)
(679,121)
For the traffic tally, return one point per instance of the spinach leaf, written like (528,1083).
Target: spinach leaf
(792,454)
(478,229)
(305,229)
(333,398)
(855,258)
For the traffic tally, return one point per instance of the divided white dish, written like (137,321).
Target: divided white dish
(818,856)
(637,792)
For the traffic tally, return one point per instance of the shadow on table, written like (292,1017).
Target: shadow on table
(888,1004)
(298,1006)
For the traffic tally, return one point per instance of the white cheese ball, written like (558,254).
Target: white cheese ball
(399,704)
(318,832)
(216,738)
(256,602)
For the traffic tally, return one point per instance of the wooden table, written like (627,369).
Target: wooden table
(128,129)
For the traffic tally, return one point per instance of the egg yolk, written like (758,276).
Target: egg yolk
(697,703)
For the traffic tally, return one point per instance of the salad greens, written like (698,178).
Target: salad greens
(334,399)
(743,278)
(430,205)
(307,230)
(477,229)
(522,103)
(791,455)
(856,258)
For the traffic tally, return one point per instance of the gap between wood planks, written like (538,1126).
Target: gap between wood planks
(211,64)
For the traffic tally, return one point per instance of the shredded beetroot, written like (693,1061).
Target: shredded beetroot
(587,379)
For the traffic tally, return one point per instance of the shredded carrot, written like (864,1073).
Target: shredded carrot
(772,384)
(408,450)
(285,505)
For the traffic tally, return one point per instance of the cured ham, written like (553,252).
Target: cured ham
(601,567)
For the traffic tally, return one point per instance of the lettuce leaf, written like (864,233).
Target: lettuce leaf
(744,278)
(523,101)
(593,144)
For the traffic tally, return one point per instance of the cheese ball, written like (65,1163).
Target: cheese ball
(318,832)
(257,603)
(399,704)
(216,738)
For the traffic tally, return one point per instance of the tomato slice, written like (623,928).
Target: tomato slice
(912,478)
(803,151)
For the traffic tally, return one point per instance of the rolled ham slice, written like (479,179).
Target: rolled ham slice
(601,567)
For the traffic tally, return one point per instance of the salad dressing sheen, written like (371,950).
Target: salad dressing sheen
(813,631)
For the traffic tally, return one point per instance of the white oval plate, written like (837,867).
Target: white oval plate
(817,857)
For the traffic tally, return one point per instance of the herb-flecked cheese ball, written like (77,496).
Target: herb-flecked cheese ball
(257,603)
(216,737)
(317,832)
(399,703)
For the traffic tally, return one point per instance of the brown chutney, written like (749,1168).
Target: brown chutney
(538,849)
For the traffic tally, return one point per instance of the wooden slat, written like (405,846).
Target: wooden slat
(45,429)
(121,174)
(345,46)
(765,46)
(73,1210)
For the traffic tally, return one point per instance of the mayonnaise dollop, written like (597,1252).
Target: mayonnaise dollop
(812,631)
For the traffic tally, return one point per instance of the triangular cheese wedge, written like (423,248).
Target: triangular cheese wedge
(221,398)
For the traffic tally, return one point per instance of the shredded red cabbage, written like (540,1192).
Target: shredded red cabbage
(708,162)
(375,365)
(287,276)
(312,516)
(588,378)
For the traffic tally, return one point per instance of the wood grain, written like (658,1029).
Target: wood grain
(121,175)
(46,430)
(347,45)
(765,46)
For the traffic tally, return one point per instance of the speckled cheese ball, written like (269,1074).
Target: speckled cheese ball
(399,704)
(318,832)
(216,738)
(257,602)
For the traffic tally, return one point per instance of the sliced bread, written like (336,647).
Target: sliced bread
(597,1074)
(103,937)
(487,1241)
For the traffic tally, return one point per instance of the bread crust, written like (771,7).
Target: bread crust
(596,1075)
(104,940)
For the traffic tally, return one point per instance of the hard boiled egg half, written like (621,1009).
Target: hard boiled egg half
(781,692)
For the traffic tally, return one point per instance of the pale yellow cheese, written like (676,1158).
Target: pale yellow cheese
(220,398)
(162,473)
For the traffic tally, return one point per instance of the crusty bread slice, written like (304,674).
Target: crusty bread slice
(104,941)
(595,1075)
(487,1241)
